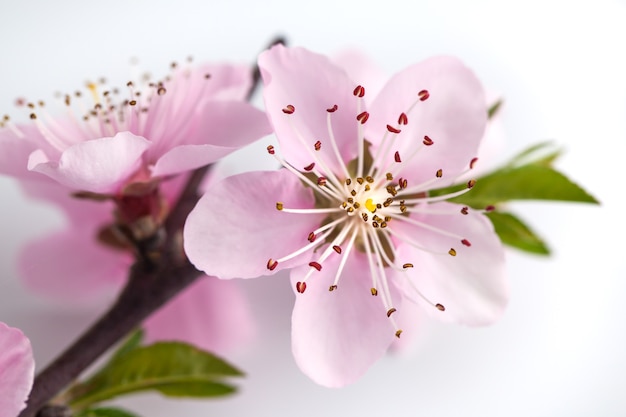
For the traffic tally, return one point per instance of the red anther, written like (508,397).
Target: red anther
(402,183)
(270,150)
(465,210)
(391,311)
(359,91)
(393,129)
(362,117)
(471,183)
(466,242)
(301,287)
(272,264)
(321,181)
(403,119)
(427,141)
(310,166)
(473,162)
(490,208)
(440,307)
(332,109)
(439,173)
(423,95)
(396,157)
(337,249)
(318,145)
(311,237)
(315,265)
(289,109)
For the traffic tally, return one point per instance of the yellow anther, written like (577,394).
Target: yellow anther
(369,204)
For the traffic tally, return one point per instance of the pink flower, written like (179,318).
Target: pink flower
(110,139)
(350,211)
(17,369)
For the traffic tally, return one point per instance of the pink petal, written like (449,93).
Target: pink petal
(14,153)
(312,84)
(338,335)
(97,165)
(223,127)
(454,117)
(235,228)
(227,81)
(363,71)
(17,369)
(471,285)
(47,269)
(211,314)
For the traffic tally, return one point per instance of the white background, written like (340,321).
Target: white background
(560,350)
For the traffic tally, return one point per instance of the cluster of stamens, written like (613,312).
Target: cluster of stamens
(361,206)
(102,111)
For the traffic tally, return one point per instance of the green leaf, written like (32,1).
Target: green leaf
(513,232)
(494,108)
(528,182)
(172,368)
(105,412)
(542,153)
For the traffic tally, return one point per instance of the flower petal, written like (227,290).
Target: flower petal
(237,218)
(454,117)
(363,70)
(338,335)
(47,269)
(222,127)
(97,165)
(211,314)
(14,152)
(17,369)
(471,285)
(311,83)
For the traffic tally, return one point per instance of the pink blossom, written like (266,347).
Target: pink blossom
(17,369)
(350,210)
(111,139)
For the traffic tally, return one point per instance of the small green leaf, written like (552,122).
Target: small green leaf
(543,153)
(494,108)
(105,412)
(513,232)
(172,368)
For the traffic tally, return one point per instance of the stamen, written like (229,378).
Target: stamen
(332,109)
(301,287)
(337,249)
(452,252)
(466,242)
(471,183)
(398,333)
(439,173)
(427,141)
(391,311)
(318,145)
(310,166)
(403,119)
(440,307)
(289,109)
(465,210)
(374,291)
(359,91)
(393,129)
(362,117)
(315,265)
(272,264)
(396,157)
(423,95)
(473,163)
